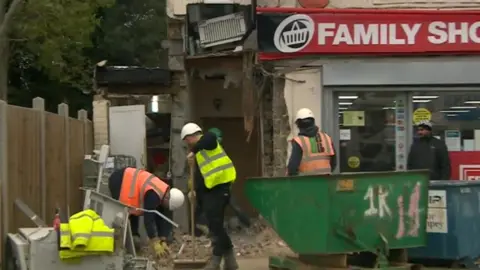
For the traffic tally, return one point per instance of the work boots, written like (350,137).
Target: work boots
(230,263)
(213,263)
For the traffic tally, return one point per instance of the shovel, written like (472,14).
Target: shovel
(193,263)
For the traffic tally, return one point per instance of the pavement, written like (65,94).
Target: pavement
(253,263)
(247,264)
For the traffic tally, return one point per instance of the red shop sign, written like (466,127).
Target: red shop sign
(379,32)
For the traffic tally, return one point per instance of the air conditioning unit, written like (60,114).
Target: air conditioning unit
(217,26)
(222,30)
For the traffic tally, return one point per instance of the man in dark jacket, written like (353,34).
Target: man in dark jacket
(305,122)
(428,152)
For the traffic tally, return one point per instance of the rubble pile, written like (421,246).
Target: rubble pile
(202,247)
(257,241)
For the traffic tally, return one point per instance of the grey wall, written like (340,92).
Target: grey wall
(402,71)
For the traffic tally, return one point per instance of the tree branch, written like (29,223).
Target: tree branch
(7,20)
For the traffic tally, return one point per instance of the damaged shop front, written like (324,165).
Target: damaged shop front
(220,86)
(370,75)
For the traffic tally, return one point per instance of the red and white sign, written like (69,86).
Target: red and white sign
(465,165)
(382,32)
(469,172)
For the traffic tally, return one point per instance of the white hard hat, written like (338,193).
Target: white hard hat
(425,123)
(304,113)
(176,199)
(189,129)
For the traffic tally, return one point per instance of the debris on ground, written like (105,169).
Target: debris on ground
(257,241)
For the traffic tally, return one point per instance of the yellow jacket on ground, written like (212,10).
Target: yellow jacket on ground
(85,234)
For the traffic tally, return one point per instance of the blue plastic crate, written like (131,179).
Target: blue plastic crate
(453,224)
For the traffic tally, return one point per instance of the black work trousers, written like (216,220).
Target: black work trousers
(164,228)
(214,202)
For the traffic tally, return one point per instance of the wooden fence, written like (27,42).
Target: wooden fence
(41,157)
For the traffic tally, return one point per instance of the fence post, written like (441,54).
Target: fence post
(3,175)
(39,105)
(63,111)
(82,115)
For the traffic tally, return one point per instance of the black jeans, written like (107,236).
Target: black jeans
(200,218)
(200,215)
(214,203)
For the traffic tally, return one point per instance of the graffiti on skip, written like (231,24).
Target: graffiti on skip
(379,194)
(408,219)
(413,214)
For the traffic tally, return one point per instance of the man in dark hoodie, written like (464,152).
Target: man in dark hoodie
(428,152)
(312,150)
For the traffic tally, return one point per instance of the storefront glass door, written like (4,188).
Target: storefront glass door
(372,131)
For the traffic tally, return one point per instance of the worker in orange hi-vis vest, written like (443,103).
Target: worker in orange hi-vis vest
(312,150)
(140,189)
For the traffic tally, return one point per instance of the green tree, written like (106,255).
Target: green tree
(131,34)
(27,81)
(55,32)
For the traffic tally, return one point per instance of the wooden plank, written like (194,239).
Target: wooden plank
(24,175)
(39,105)
(3,174)
(55,164)
(77,146)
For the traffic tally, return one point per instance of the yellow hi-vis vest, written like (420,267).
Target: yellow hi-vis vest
(85,234)
(216,167)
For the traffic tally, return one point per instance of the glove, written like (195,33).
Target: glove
(158,248)
(191,195)
(165,247)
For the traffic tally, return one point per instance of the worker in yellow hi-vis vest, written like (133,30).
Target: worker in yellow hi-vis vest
(214,176)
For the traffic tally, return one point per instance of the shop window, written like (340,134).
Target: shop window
(367,131)
(455,117)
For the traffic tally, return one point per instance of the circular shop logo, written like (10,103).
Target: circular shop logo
(294,33)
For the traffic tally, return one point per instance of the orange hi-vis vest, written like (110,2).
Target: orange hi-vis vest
(135,184)
(318,162)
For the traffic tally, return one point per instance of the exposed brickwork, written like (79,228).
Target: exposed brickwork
(180,113)
(281,127)
(100,121)
(267,122)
